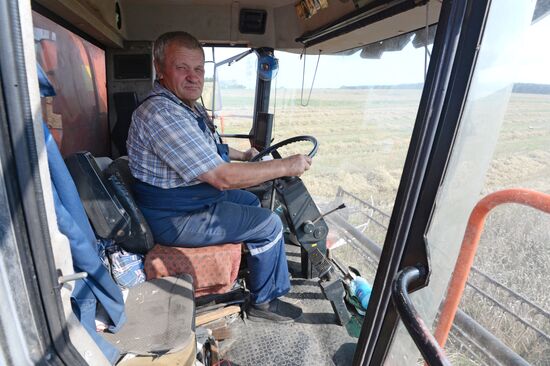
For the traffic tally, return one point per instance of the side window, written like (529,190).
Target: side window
(361,109)
(235,73)
(507,291)
(77,115)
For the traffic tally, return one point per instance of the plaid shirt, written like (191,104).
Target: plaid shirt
(166,147)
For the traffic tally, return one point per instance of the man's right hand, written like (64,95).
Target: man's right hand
(242,175)
(297,164)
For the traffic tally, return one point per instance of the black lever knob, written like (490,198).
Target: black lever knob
(309,226)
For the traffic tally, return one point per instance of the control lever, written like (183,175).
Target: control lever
(309,225)
(317,258)
(332,286)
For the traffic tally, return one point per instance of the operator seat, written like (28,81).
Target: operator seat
(125,104)
(214,269)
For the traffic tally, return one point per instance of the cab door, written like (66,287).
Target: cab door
(453,157)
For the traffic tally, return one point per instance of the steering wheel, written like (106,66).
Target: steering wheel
(289,141)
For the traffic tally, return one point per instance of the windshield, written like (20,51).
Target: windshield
(362,112)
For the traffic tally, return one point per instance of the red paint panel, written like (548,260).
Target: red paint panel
(77,115)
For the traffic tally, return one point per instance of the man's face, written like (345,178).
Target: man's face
(183,72)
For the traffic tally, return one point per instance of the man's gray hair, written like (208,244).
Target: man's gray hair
(183,39)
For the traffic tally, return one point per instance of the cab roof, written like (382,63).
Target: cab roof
(342,25)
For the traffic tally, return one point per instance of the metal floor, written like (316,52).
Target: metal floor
(315,339)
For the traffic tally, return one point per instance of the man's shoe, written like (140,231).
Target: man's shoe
(276,311)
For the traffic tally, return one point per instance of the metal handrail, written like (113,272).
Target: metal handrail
(419,332)
(476,222)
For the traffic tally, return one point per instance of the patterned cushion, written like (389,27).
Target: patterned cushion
(214,269)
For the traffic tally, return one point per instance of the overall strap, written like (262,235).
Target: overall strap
(200,119)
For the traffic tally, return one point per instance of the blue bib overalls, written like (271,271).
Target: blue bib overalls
(201,215)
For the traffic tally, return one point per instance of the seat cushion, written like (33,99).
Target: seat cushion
(160,317)
(214,269)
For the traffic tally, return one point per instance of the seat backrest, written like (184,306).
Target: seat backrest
(108,217)
(120,179)
(125,104)
(107,199)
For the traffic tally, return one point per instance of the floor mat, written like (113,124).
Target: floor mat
(314,339)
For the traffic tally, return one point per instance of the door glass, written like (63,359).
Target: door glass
(502,143)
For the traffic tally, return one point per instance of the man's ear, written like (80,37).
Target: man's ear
(158,70)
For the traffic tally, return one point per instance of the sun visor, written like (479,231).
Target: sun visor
(542,9)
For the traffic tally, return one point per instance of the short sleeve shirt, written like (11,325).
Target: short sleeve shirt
(166,146)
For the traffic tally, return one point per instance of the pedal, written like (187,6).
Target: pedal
(318,261)
(334,292)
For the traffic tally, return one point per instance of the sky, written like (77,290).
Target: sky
(403,67)
(536,54)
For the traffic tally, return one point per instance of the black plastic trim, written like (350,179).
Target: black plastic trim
(263,91)
(226,44)
(236,136)
(455,49)
(457,90)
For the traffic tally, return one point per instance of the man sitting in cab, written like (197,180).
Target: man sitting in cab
(189,190)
